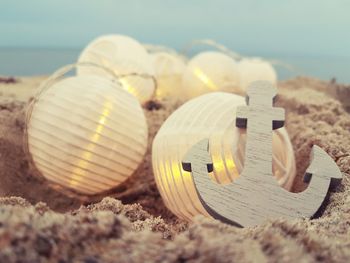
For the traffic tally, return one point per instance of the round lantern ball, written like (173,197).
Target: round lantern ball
(210,71)
(168,70)
(123,55)
(210,116)
(86,133)
(253,69)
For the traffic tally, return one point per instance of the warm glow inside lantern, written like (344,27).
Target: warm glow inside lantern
(210,71)
(209,116)
(86,133)
(124,56)
(168,70)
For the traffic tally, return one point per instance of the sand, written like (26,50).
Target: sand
(42,224)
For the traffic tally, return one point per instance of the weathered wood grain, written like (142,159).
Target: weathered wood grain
(255,196)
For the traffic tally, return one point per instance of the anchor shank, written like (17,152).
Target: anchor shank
(259,133)
(259,117)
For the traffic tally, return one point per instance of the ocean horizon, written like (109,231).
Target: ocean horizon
(44,61)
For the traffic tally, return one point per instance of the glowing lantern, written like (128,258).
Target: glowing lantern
(168,72)
(210,71)
(253,69)
(86,133)
(208,116)
(124,56)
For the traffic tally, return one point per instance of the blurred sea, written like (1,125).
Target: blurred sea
(32,61)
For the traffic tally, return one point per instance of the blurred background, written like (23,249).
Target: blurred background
(38,36)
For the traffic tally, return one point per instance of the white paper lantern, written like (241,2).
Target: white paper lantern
(210,71)
(209,116)
(253,69)
(86,133)
(168,70)
(123,55)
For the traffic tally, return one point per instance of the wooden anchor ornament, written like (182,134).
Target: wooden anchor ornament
(256,196)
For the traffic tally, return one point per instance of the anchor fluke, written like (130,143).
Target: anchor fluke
(322,167)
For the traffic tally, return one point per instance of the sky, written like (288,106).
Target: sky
(298,28)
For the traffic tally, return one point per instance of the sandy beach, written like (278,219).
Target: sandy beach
(39,222)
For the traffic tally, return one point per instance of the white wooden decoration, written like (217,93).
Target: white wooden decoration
(209,116)
(256,196)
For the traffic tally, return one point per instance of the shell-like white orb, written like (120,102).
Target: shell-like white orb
(253,69)
(168,69)
(210,71)
(123,55)
(86,133)
(209,116)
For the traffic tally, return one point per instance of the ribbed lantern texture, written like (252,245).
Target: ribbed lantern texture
(86,133)
(122,55)
(209,116)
